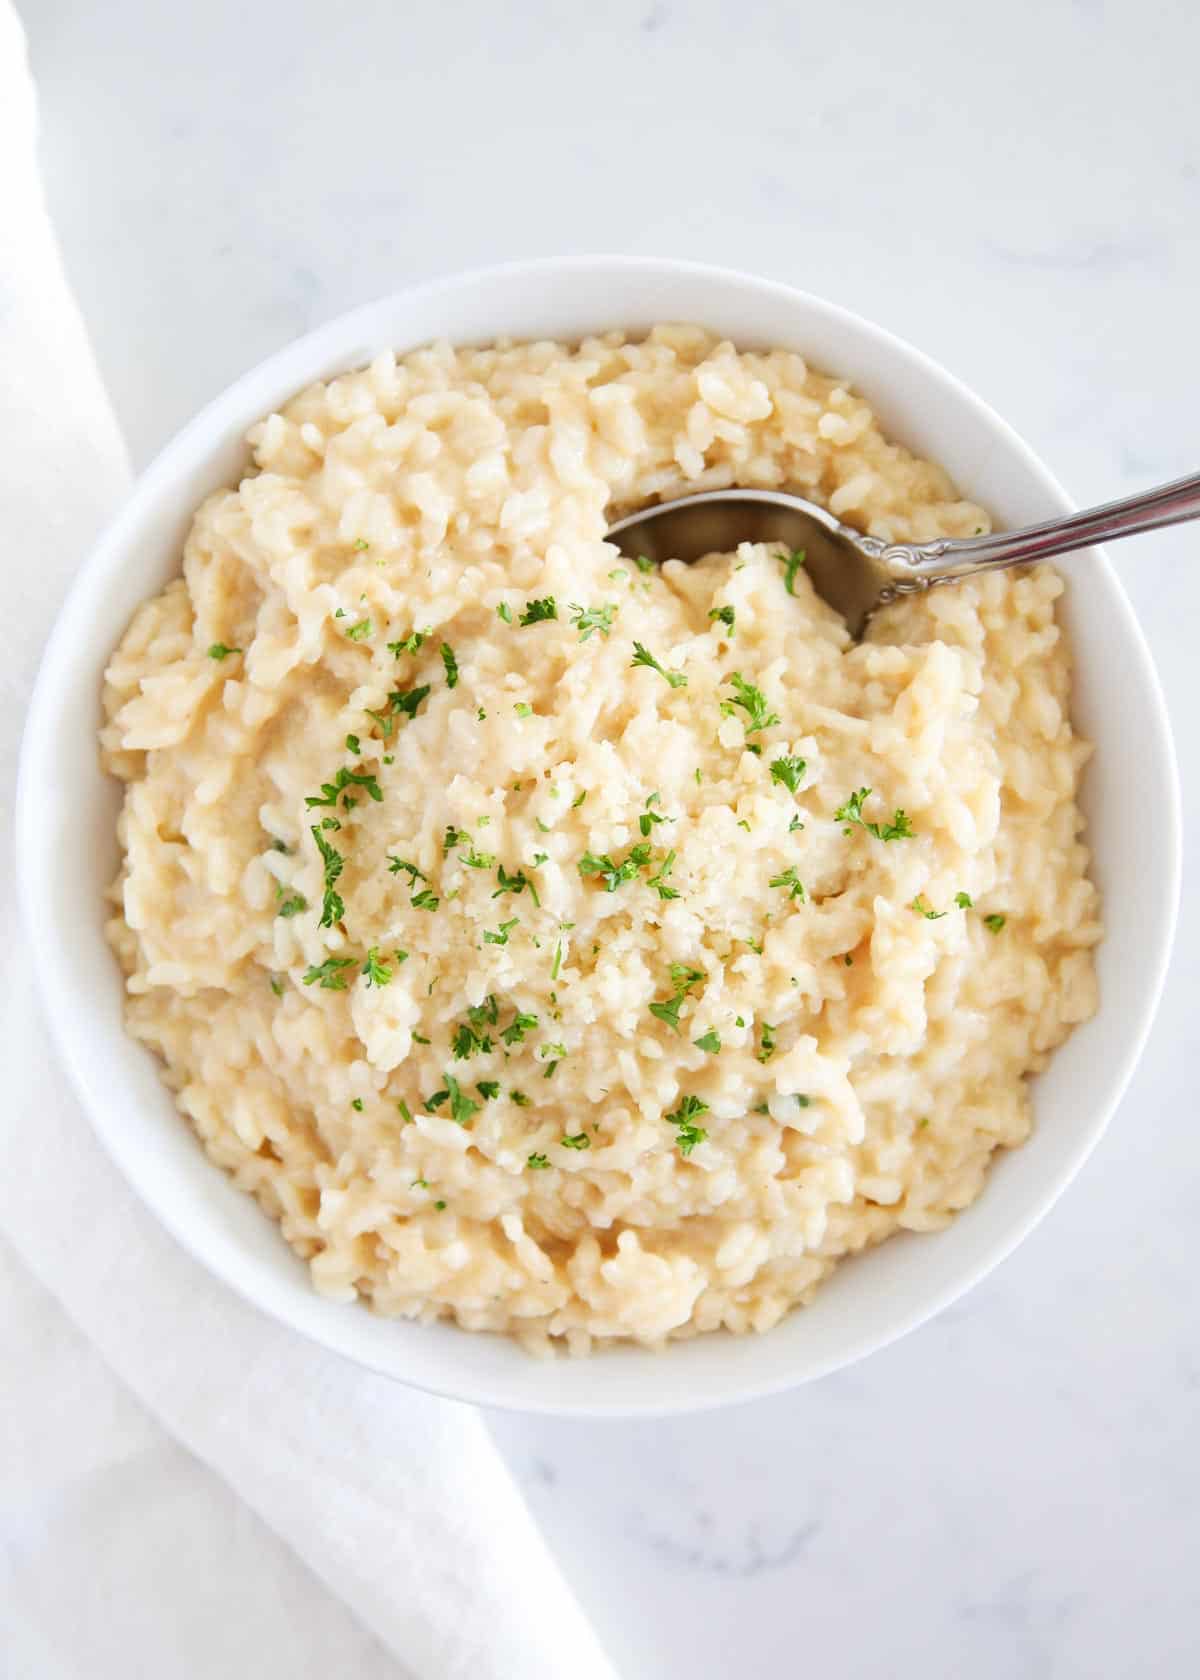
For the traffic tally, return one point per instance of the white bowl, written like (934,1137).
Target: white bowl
(67,850)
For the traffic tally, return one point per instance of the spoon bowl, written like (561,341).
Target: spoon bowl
(856,574)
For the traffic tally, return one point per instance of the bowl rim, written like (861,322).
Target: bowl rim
(199,437)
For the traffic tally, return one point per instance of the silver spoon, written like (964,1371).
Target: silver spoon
(857,574)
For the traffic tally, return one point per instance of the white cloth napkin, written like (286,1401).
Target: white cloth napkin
(399,1503)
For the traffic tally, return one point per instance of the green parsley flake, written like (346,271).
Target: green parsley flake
(579,1141)
(451,664)
(642,656)
(500,937)
(994,922)
(643,564)
(709,1041)
(377,973)
(504,611)
(357,1104)
(789,771)
(276,984)
(767,1045)
(405,1111)
(408,644)
(791,881)
(424,900)
(922,909)
(723,615)
(791,565)
(291,905)
(360,631)
(523,709)
(537,1162)
(614,874)
(539,612)
(521,1024)
(396,864)
(488,1088)
(659,881)
(462,1108)
(964,901)
(219,651)
(332,791)
(328,974)
(753,702)
(900,828)
(590,619)
(521,1100)
(332,906)
(688,1134)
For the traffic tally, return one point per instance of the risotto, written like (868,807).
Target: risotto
(570,949)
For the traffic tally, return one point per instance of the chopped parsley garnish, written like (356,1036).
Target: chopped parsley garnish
(767,1045)
(642,656)
(576,803)
(994,922)
(396,864)
(723,615)
(789,771)
(291,905)
(753,702)
(684,1117)
(405,1111)
(521,1024)
(802,1101)
(332,907)
(451,664)
(332,791)
(478,860)
(710,1041)
(791,565)
(480,715)
(419,1038)
(922,909)
(353,744)
(467,1041)
(360,545)
(488,1088)
(452,837)
(644,564)
(424,900)
(377,973)
(408,644)
(683,979)
(789,879)
(794,825)
(539,612)
(613,874)
(328,974)
(649,819)
(276,984)
(500,937)
(557,964)
(900,828)
(360,631)
(462,1108)
(218,651)
(504,611)
(964,901)
(580,1140)
(357,1103)
(537,1162)
(406,700)
(521,1100)
(590,619)
(517,883)
(523,709)
(659,881)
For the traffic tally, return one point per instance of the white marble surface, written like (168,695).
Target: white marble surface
(1014,1490)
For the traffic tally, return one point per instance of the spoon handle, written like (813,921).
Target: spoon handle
(1170,504)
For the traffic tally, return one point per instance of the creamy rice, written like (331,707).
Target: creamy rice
(466,1077)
